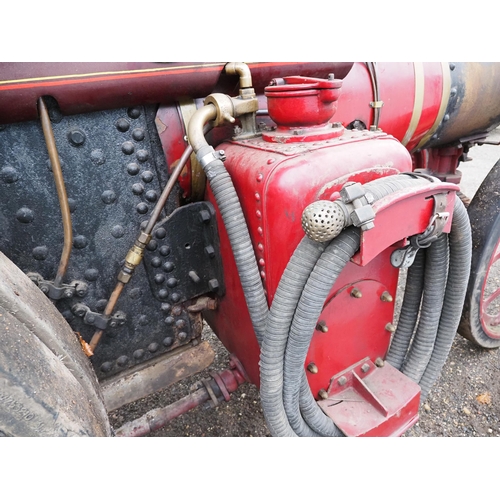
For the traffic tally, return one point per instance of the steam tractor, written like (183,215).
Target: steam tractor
(279,203)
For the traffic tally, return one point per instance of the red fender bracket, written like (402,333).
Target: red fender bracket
(404,214)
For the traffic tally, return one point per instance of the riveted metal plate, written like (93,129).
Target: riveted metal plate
(114,170)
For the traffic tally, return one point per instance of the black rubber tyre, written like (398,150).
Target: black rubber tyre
(47,384)
(484,214)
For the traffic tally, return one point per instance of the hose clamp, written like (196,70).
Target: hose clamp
(404,257)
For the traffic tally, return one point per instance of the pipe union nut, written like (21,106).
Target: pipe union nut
(323,220)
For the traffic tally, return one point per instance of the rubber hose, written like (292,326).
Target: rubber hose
(279,320)
(239,237)
(409,312)
(435,278)
(275,339)
(460,240)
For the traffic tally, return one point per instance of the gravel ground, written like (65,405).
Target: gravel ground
(465,401)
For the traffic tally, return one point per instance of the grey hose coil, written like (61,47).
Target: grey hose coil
(435,277)
(409,311)
(285,302)
(460,263)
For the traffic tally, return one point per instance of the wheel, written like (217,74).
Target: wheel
(47,384)
(480,322)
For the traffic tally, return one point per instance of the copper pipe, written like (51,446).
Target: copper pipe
(107,311)
(149,228)
(61,191)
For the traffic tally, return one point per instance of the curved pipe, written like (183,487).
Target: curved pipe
(61,191)
(242,70)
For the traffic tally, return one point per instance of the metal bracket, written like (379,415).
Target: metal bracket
(404,257)
(98,320)
(64,291)
(358,202)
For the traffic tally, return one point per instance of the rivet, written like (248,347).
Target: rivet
(379,362)
(258,213)
(446,117)
(168,266)
(260,231)
(137,188)
(365,367)
(134,113)
(386,297)
(128,147)
(453,91)
(9,175)
(91,274)
(342,380)
(151,196)
(80,242)
(143,320)
(142,155)
(108,197)
(72,205)
(122,124)
(257,196)
(168,341)
(164,250)
(156,262)
(175,297)
(260,246)
(259,177)
(133,168)
(180,323)
(147,176)
(159,279)
(262,262)
(122,361)
(135,293)
(182,336)
(76,137)
(166,308)
(25,215)
(142,208)
(97,157)
(163,293)
(169,320)
(172,282)
(139,353)
(177,310)
(311,367)
(106,366)
(153,347)
(356,293)
(323,394)
(138,134)
(152,245)
(117,231)
(263,275)
(390,327)
(101,304)
(160,233)
(322,327)
(452,66)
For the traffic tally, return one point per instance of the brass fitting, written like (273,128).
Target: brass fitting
(242,70)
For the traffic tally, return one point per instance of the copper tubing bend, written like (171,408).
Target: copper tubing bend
(61,191)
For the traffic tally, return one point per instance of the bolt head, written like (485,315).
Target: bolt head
(323,394)
(342,380)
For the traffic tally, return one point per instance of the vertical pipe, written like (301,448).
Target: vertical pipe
(61,191)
